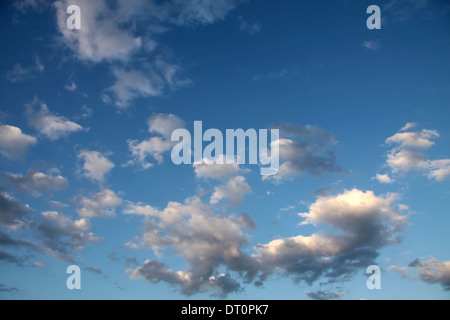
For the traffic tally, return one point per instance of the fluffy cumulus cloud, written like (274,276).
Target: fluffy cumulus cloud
(35,182)
(95,165)
(62,237)
(13,142)
(408,153)
(304,149)
(102,204)
(161,125)
(48,124)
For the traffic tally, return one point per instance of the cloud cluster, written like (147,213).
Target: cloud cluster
(362,222)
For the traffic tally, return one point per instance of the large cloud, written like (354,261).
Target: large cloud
(14,143)
(363,223)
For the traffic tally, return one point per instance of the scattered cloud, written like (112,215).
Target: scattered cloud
(48,124)
(14,143)
(95,165)
(102,204)
(383,178)
(61,236)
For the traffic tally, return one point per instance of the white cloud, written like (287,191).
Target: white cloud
(164,124)
(233,191)
(14,143)
(383,178)
(49,124)
(408,154)
(420,139)
(102,204)
(439,169)
(95,165)
(155,147)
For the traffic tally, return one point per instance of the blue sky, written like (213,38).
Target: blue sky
(86,176)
